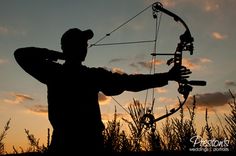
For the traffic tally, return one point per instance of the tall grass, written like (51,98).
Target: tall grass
(174,134)
(3,135)
(231,123)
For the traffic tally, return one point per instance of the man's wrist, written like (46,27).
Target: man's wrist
(167,76)
(164,76)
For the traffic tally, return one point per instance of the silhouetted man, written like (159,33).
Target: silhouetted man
(73,89)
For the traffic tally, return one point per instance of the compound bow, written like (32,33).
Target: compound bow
(185,86)
(185,45)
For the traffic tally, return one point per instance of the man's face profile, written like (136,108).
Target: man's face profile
(74,44)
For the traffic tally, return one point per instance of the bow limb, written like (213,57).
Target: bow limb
(148,119)
(158,7)
(172,111)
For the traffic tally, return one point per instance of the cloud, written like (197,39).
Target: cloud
(169,101)
(145,64)
(4,30)
(191,63)
(103,99)
(161,90)
(195,63)
(118,70)
(137,62)
(218,36)
(39,109)
(211,100)
(115,70)
(3,61)
(168,3)
(210,6)
(18,98)
(134,65)
(115,60)
(10,31)
(230,83)
(205,5)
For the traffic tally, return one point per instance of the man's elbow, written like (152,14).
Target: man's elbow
(21,53)
(18,53)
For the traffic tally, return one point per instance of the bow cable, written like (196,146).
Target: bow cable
(121,25)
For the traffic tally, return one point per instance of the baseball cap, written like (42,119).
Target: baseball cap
(74,35)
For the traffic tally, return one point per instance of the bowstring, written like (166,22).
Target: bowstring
(153,66)
(154,56)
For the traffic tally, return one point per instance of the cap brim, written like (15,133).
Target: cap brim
(88,34)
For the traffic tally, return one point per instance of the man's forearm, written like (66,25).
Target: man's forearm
(141,82)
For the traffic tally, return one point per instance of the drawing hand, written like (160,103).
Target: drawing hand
(54,55)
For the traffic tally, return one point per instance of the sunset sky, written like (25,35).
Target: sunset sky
(41,23)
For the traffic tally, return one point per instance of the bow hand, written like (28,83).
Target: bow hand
(179,74)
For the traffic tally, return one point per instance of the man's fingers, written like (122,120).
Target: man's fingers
(180,73)
(186,72)
(184,77)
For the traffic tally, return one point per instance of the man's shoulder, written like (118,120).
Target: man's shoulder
(104,71)
(98,69)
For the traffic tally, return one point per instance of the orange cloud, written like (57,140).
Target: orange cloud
(39,109)
(165,100)
(196,63)
(3,61)
(206,5)
(150,63)
(118,70)
(160,90)
(211,6)
(18,98)
(168,3)
(218,36)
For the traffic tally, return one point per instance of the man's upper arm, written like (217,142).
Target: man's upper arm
(34,62)
(110,83)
